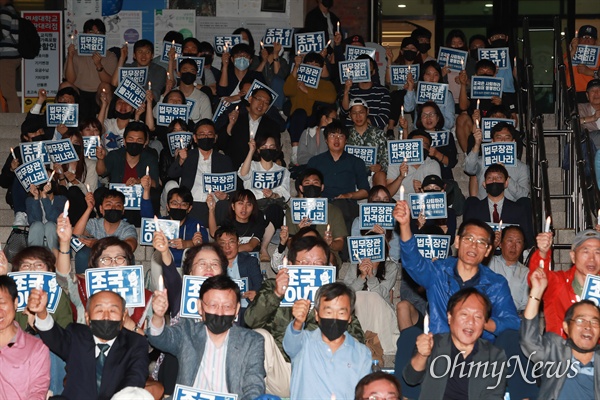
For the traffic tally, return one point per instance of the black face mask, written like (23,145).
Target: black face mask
(327,3)
(77,148)
(498,43)
(474,54)
(424,47)
(105,329)
(188,78)
(268,154)
(430,191)
(134,149)
(206,144)
(494,189)
(311,191)
(333,328)
(178,214)
(120,115)
(218,324)
(113,216)
(409,55)
(37,138)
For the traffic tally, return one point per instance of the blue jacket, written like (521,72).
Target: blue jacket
(438,279)
(52,209)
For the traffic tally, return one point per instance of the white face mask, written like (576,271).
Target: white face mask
(246,42)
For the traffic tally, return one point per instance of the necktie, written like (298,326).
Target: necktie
(495,215)
(100,362)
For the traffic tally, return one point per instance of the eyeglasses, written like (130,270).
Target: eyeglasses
(207,266)
(480,243)
(38,266)
(117,260)
(306,261)
(227,308)
(337,136)
(261,99)
(205,135)
(377,397)
(429,115)
(176,204)
(594,323)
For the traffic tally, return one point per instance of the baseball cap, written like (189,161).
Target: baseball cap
(357,101)
(592,83)
(588,30)
(433,180)
(583,236)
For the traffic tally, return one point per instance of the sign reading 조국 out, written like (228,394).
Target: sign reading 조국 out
(35,280)
(304,282)
(127,281)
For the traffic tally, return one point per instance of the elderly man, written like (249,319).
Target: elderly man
(378,385)
(468,311)
(24,359)
(102,357)
(565,287)
(209,352)
(586,35)
(589,113)
(581,324)
(328,351)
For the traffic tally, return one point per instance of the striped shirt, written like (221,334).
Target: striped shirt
(211,375)
(9,34)
(378,100)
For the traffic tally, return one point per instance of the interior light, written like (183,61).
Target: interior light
(489,5)
(401,5)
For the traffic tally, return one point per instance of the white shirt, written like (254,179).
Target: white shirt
(283,190)
(499,204)
(212,373)
(204,167)
(253,125)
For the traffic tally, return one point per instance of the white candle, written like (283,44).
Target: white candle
(237,108)
(161,283)
(401,193)
(328,43)
(478,104)
(338,27)
(149,85)
(72,38)
(500,226)
(147,170)
(426,324)
(197,227)
(12,151)
(156,224)
(87,186)
(328,227)
(168,77)
(173,43)
(285,262)
(542,264)
(51,176)
(66,209)
(462,64)
(402,111)
(181,143)
(357,257)
(547,227)
(209,189)
(261,45)
(477,123)
(298,53)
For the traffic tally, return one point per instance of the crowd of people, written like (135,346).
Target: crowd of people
(480,306)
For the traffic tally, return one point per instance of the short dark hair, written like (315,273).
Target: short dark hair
(241,30)
(226,230)
(174,91)
(123,301)
(333,290)
(205,47)
(495,109)
(188,61)
(456,33)
(570,311)
(376,189)
(496,168)
(309,172)
(39,252)
(183,192)
(463,294)
(245,194)
(220,282)
(204,121)
(314,57)
(359,392)
(103,244)
(336,126)
(512,228)
(188,261)
(177,121)
(266,91)
(477,37)
(193,40)
(68,91)
(241,48)
(420,132)
(173,35)
(8,284)
(504,125)
(372,62)
(485,63)
(94,122)
(136,126)
(306,243)
(435,65)
(478,223)
(143,43)
(112,193)
(94,22)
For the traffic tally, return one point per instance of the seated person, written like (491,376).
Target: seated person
(90,74)
(589,112)
(305,99)
(218,342)
(518,184)
(43,207)
(211,75)
(468,311)
(270,320)
(496,206)
(116,116)
(582,74)
(378,385)
(66,94)
(235,67)
(327,351)
(275,70)
(435,184)
(200,103)
(581,324)
(312,141)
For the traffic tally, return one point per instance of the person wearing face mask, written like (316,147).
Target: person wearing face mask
(321,18)
(423,37)
(102,357)
(43,207)
(496,206)
(187,73)
(236,66)
(191,164)
(328,350)
(270,320)
(456,39)
(218,343)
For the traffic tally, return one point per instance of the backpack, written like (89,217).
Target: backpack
(29,43)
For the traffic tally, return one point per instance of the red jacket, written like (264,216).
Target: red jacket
(559,294)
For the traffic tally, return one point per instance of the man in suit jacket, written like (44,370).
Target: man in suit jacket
(509,212)
(245,122)
(213,354)
(190,164)
(126,358)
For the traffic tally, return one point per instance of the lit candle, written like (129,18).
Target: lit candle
(51,176)
(12,151)
(478,104)
(161,283)
(462,64)
(547,227)
(173,43)
(66,209)
(237,108)
(225,48)
(401,193)
(338,27)
(426,324)
(500,226)
(357,257)
(156,224)
(542,264)
(402,111)
(328,227)
(147,170)
(149,85)
(423,207)
(261,45)
(328,43)
(197,227)
(285,262)
(87,186)
(168,76)
(406,173)
(298,53)
(181,143)
(209,189)
(477,123)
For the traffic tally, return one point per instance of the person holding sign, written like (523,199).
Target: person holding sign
(24,359)
(187,72)
(275,70)
(587,35)
(102,357)
(123,114)
(329,351)
(321,18)
(268,181)
(43,208)
(581,324)
(589,112)
(67,94)
(215,354)
(233,72)
(90,74)
(565,287)
(435,184)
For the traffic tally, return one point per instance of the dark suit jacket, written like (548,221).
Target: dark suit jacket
(512,213)
(126,364)
(236,145)
(315,21)
(250,267)
(187,172)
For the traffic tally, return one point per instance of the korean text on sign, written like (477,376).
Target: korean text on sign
(440,138)
(88,44)
(310,75)
(35,280)
(305,281)
(266,180)
(131,92)
(399,73)
(315,209)
(371,247)
(498,56)
(190,293)
(591,289)
(586,55)
(178,140)
(486,87)
(434,205)
(33,150)
(454,59)
(352,52)
(167,47)
(308,42)
(168,112)
(499,153)
(410,150)
(256,84)
(357,71)
(429,91)
(128,282)
(90,143)
(62,114)
(199,64)
(133,195)
(366,153)
(61,151)
(488,123)
(225,182)
(225,43)
(169,227)
(433,246)
(137,74)
(370,214)
(31,173)
(282,36)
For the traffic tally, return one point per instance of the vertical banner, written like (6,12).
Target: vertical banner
(44,71)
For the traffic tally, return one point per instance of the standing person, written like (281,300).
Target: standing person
(582,74)
(321,18)
(10,59)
